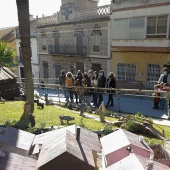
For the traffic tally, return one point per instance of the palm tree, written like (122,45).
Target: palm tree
(7,55)
(24,28)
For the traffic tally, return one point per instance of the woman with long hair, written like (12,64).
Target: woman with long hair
(110,83)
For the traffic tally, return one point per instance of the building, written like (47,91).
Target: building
(140,44)
(67,151)
(14,161)
(8,35)
(52,135)
(42,138)
(137,162)
(120,144)
(12,37)
(16,141)
(9,88)
(78,38)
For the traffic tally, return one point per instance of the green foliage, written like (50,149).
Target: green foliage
(139,114)
(115,115)
(43,124)
(108,127)
(7,55)
(50,115)
(108,113)
(131,126)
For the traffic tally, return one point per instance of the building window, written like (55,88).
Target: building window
(121,29)
(96,41)
(20,55)
(157,26)
(153,74)
(43,42)
(45,70)
(126,72)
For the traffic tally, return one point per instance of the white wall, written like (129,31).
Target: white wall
(34,58)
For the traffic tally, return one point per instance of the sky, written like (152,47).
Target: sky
(8,10)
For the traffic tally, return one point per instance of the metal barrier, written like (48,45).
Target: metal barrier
(117,92)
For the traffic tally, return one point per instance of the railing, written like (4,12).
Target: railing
(67,49)
(48,20)
(98,12)
(118,4)
(117,92)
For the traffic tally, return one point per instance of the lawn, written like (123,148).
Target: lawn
(13,111)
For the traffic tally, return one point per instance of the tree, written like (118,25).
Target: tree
(7,55)
(24,28)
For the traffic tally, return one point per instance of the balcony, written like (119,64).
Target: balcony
(67,50)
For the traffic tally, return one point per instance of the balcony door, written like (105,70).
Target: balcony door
(57,71)
(96,67)
(80,66)
(79,42)
(56,42)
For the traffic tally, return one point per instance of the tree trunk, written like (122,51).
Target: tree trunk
(24,28)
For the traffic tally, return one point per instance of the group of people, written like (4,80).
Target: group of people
(87,79)
(163,85)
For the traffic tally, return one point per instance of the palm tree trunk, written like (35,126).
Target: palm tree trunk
(24,28)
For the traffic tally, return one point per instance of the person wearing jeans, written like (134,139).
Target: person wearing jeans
(101,84)
(110,83)
(62,80)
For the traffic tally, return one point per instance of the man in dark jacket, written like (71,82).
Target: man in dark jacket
(110,83)
(101,84)
(62,80)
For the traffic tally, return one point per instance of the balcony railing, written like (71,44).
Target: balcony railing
(118,4)
(67,50)
(78,15)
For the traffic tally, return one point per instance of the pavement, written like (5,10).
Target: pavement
(124,105)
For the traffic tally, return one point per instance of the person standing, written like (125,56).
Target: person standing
(94,83)
(110,83)
(79,76)
(156,97)
(165,77)
(62,80)
(101,84)
(70,82)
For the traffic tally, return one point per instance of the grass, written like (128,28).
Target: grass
(13,111)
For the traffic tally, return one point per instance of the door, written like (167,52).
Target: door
(56,42)
(79,42)
(57,72)
(96,67)
(22,76)
(80,66)
(153,74)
